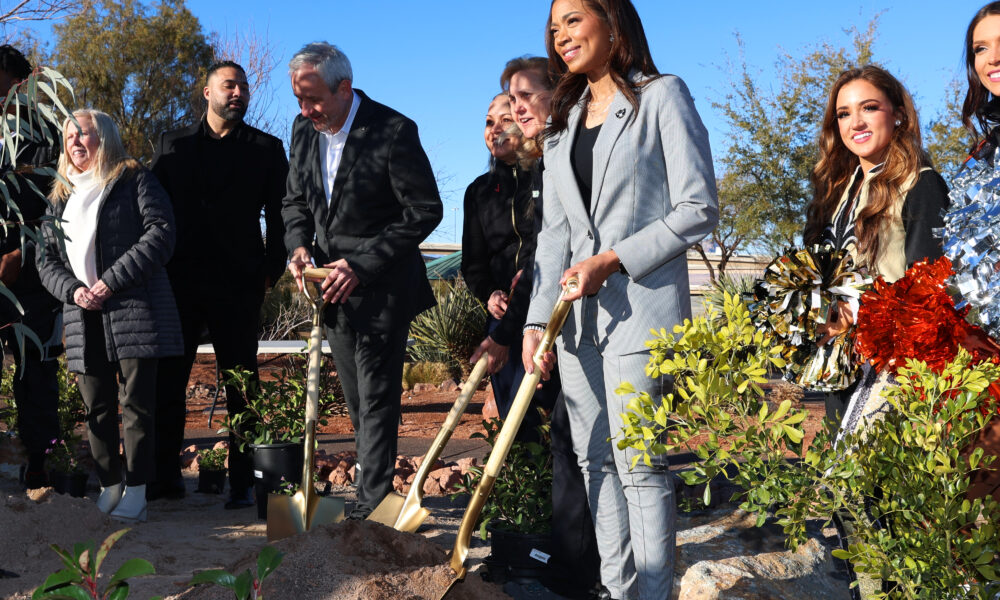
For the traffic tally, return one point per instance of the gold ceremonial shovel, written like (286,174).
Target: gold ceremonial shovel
(288,515)
(406,514)
(506,438)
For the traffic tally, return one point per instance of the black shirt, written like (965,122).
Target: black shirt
(583,160)
(218,188)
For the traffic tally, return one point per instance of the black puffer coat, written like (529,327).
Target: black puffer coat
(135,238)
(498,240)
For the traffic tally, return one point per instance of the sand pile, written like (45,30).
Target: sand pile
(358,560)
(28,528)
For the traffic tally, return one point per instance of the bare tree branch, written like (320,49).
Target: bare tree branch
(256,53)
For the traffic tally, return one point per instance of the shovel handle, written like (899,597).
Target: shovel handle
(315,274)
(505,439)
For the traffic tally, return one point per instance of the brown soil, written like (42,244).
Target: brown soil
(359,560)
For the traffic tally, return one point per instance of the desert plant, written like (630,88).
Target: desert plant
(62,456)
(521,499)
(212,459)
(450,331)
(79,580)
(908,469)
(275,410)
(734,285)
(424,372)
(245,586)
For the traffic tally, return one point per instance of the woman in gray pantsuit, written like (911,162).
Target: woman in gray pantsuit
(628,188)
(119,310)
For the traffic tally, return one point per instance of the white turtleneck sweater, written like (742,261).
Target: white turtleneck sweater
(80,226)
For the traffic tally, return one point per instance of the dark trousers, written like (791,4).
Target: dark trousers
(507,380)
(575,562)
(232,328)
(35,385)
(370,367)
(99,388)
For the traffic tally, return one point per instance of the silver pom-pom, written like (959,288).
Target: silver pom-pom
(971,227)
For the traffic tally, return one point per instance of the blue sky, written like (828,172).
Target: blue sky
(439,62)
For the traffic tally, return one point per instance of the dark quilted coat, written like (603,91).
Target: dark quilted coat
(135,238)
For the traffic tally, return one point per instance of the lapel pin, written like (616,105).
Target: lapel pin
(620,113)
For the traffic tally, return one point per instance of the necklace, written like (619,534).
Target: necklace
(598,107)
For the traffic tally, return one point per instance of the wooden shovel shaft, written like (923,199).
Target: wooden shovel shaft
(315,274)
(416,492)
(522,401)
(312,408)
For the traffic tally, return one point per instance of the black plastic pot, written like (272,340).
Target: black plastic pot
(271,463)
(74,484)
(517,556)
(211,482)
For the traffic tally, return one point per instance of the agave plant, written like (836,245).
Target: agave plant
(450,331)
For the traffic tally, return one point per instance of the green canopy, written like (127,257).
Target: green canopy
(446,267)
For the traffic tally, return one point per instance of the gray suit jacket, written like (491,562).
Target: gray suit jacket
(654,196)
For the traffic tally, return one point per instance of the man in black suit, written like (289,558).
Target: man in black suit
(361,197)
(220,174)
(36,388)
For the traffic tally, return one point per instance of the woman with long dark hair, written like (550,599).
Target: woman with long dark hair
(981,108)
(628,188)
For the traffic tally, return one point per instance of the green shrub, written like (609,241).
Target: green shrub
(521,499)
(908,468)
(71,409)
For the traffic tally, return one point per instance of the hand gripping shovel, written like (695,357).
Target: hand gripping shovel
(288,515)
(406,514)
(506,437)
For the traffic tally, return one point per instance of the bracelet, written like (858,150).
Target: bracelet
(534,327)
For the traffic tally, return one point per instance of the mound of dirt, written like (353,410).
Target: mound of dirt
(359,560)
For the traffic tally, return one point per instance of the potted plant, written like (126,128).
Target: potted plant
(273,426)
(66,473)
(517,516)
(212,470)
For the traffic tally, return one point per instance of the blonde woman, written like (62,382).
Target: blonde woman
(119,310)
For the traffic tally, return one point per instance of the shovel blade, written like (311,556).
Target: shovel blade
(388,510)
(289,515)
(394,511)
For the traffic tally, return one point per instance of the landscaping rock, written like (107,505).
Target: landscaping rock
(448,385)
(722,555)
(420,388)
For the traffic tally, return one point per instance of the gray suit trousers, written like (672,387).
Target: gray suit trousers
(635,514)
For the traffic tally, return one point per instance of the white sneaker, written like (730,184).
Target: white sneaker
(132,506)
(109,498)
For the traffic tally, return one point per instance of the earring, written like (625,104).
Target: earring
(898,122)
(611,38)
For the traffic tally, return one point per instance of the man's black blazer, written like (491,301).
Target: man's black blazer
(217,202)
(384,203)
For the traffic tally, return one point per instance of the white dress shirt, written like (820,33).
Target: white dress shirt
(331,148)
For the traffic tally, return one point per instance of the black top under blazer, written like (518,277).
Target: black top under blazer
(384,203)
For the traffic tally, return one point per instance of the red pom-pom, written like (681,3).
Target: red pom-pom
(916,318)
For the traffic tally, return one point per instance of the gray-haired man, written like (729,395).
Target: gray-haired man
(361,197)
